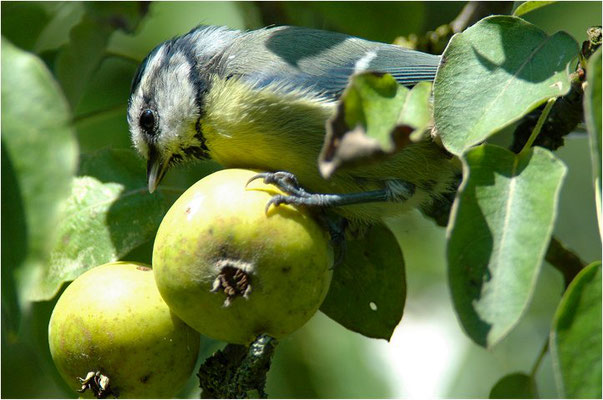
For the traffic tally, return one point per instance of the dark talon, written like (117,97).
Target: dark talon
(276,200)
(277,178)
(281,177)
(263,175)
(285,181)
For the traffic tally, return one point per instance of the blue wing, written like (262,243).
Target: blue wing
(294,58)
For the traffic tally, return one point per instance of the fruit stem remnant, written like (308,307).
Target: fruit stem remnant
(98,384)
(233,280)
(237,372)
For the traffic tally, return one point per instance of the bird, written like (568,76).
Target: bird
(260,99)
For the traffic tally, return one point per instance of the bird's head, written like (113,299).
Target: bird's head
(164,110)
(167,97)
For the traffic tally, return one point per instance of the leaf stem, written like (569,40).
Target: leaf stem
(125,57)
(538,361)
(541,120)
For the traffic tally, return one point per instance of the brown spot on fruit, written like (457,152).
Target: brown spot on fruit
(233,280)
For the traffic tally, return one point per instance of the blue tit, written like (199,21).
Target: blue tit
(260,100)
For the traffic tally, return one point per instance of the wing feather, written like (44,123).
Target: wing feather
(294,59)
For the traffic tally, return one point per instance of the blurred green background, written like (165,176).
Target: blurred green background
(428,356)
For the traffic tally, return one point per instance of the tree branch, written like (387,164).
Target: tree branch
(567,113)
(237,372)
(435,41)
(564,260)
(476,10)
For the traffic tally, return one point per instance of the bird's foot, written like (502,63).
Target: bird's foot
(295,194)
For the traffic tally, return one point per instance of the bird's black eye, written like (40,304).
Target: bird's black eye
(147,121)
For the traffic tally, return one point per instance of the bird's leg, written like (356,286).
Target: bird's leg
(397,190)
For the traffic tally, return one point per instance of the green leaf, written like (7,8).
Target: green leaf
(100,113)
(592,114)
(39,26)
(416,111)
(40,146)
(79,59)
(64,16)
(14,244)
(515,386)
(23,21)
(529,6)
(494,73)
(375,117)
(500,227)
(576,336)
(368,289)
(108,214)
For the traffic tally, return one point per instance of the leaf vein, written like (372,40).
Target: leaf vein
(528,61)
(507,220)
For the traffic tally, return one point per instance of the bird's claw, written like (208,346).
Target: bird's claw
(288,183)
(285,181)
(294,200)
(277,178)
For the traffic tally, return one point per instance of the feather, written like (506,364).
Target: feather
(295,58)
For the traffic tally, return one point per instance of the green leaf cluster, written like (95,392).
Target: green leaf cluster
(26,126)
(502,219)
(74,193)
(66,205)
(39,137)
(492,75)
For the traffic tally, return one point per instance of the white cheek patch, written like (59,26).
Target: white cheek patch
(176,102)
(137,102)
(172,92)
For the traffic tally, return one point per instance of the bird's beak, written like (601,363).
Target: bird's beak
(156,169)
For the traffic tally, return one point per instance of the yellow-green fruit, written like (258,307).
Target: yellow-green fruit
(232,271)
(112,320)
